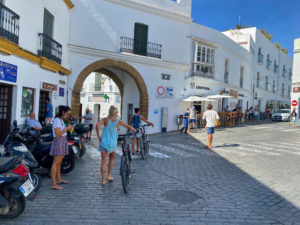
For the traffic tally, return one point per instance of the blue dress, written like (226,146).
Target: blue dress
(109,137)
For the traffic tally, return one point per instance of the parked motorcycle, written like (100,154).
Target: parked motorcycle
(78,137)
(14,187)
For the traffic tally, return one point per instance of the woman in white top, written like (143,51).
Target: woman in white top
(59,147)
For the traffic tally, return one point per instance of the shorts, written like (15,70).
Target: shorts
(138,134)
(91,127)
(210,130)
(192,121)
(294,119)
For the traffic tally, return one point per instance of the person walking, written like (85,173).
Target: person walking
(49,112)
(210,116)
(192,120)
(59,147)
(293,116)
(135,122)
(108,141)
(186,117)
(88,117)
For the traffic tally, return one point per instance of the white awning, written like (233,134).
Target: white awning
(196,99)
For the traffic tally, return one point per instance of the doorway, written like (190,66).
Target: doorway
(5,110)
(42,105)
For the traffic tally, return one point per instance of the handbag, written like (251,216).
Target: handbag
(217,122)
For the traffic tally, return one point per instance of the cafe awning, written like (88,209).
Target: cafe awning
(218,96)
(196,99)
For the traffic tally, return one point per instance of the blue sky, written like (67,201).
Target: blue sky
(281,18)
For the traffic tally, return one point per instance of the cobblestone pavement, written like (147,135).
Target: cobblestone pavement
(250,177)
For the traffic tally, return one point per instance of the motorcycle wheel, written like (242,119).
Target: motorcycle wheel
(36,180)
(16,207)
(67,164)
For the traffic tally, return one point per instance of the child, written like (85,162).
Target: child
(135,121)
(108,140)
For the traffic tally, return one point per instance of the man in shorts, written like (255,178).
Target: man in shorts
(88,117)
(210,116)
(135,122)
(192,120)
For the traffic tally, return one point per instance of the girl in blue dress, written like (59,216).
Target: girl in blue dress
(108,140)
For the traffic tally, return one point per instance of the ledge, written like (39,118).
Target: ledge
(10,48)
(69,3)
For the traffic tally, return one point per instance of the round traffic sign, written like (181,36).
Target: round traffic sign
(294,103)
(160,90)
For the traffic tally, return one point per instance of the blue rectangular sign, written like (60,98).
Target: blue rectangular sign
(8,72)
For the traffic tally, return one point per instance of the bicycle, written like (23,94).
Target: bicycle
(144,141)
(125,167)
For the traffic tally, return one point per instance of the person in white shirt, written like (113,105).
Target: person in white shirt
(192,120)
(210,116)
(88,117)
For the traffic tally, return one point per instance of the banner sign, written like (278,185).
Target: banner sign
(8,72)
(50,87)
(164,92)
(233,93)
(61,92)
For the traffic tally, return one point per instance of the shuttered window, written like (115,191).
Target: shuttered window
(140,39)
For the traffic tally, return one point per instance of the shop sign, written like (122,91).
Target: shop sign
(296,89)
(8,72)
(201,87)
(61,92)
(164,92)
(96,99)
(233,93)
(50,87)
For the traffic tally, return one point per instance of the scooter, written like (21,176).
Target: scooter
(15,187)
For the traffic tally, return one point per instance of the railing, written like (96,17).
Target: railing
(202,74)
(49,48)
(269,64)
(276,69)
(260,59)
(137,47)
(9,24)
(226,77)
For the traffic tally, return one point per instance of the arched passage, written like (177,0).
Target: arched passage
(102,66)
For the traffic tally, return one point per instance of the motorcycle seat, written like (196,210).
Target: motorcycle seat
(6,163)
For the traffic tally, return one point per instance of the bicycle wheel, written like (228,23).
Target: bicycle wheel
(142,149)
(124,172)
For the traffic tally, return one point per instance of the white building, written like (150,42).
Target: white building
(34,57)
(295,100)
(98,93)
(271,69)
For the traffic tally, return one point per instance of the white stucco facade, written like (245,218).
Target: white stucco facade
(296,77)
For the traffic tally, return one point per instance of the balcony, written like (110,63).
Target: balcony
(49,48)
(205,74)
(9,24)
(276,69)
(129,45)
(269,64)
(260,58)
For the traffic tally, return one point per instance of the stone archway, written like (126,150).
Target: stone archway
(100,66)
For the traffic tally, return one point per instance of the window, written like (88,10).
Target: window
(258,79)
(259,51)
(98,82)
(289,91)
(48,23)
(274,86)
(27,101)
(267,83)
(140,39)
(242,77)
(283,71)
(226,71)
(282,89)
(205,55)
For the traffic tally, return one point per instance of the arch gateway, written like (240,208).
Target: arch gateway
(113,69)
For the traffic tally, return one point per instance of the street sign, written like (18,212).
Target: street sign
(294,103)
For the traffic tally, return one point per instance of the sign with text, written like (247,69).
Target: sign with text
(233,93)
(61,92)
(8,72)
(296,89)
(164,92)
(51,87)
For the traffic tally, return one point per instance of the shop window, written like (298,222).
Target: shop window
(27,101)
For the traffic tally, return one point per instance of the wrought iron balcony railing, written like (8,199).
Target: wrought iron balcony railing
(49,48)
(260,59)
(137,47)
(9,24)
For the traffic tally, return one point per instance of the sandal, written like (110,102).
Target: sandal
(110,179)
(103,183)
(56,187)
(63,182)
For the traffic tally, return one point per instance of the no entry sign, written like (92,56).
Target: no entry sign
(294,103)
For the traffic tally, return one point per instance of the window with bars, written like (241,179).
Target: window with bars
(226,74)
(258,79)
(98,82)
(242,77)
